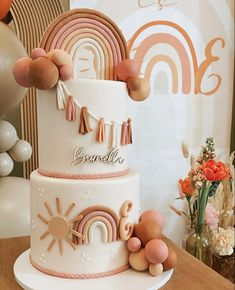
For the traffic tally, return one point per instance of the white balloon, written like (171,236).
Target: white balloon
(6,164)
(21,151)
(14,207)
(8,136)
(11,49)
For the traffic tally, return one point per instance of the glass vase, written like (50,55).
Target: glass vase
(224,265)
(198,244)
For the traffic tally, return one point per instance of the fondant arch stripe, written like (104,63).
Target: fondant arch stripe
(89,233)
(105,217)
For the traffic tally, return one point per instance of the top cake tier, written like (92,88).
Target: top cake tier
(66,153)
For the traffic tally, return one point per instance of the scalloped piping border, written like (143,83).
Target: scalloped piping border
(82,176)
(78,276)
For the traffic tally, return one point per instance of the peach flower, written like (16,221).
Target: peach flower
(186,187)
(215,171)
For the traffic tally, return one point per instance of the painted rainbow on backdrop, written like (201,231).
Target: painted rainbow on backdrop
(91,30)
(191,72)
(97,217)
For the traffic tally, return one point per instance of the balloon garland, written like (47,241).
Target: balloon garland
(11,148)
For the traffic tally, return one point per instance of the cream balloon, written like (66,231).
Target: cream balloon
(8,136)
(6,164)
(11,49)
(21,151)
(14,207)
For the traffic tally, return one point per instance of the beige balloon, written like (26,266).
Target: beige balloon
(11,49)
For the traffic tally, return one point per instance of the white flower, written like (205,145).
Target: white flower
(223,241)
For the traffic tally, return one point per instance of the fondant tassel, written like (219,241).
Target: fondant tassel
(124,134)
(113,135)
(101,132)
(70,109)
(60,97)
(129,131)
(84,122)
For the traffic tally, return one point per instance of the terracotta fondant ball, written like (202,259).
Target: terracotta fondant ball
(6,164)
(20,71)
(156,251)
(134,244)
(154,215)
(21,151)
(60,57)
(126,69)
(171,260)
(147,230)
(65,72)
(139,89)
(8,136)
(38,52)
(155,269)
(43,73)
(138,261)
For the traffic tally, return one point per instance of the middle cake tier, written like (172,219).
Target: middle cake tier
(80,129)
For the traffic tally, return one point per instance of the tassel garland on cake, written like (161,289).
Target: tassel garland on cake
(124,134)
(70,109)
(84,127)
(60,97)
(129,128)
(114,135)
(101,132)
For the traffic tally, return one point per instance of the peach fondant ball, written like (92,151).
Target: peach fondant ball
(134,244)
(66,72)
(60,57)
(171,260)
(154,215)
(20,71)
(38,52)
(156,251)
(139,89)
(155,269)
(43,73)
(126,69)
(138,261)
(147,230)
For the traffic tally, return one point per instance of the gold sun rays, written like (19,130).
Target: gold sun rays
(59,226)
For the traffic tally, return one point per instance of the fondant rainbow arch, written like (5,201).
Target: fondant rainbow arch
(97,216)
(92,30)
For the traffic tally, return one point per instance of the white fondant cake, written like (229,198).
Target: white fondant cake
(82,216)
(101,203)
(59,138)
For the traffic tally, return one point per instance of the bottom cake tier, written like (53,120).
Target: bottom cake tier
(79,228)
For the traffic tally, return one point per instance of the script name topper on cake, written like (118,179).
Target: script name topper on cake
(80,157)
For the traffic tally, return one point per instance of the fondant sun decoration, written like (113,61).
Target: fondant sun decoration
(59,226)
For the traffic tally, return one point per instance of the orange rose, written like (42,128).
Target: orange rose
(186,186)
(215,171)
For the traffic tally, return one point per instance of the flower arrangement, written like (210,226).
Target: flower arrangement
(205,177)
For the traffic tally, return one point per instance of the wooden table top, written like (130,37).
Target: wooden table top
(189,274)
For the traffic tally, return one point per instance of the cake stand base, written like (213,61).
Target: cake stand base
(30,278)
